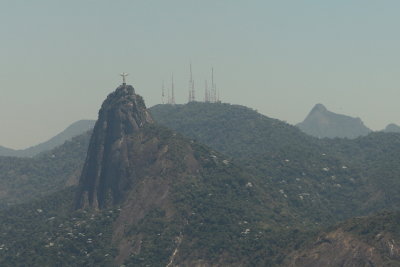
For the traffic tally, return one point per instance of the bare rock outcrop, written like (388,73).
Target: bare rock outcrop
(107,174)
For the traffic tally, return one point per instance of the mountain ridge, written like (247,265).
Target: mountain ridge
(328,180)
(75,129)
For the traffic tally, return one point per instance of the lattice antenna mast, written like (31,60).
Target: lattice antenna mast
(213,95)
(193,93)
(190,83)
(192,96)
(206,93)
(162,92)
(191,77)
(172,91)
(217,93)
(168,96)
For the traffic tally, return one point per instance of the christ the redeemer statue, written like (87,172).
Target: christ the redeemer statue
(124,74)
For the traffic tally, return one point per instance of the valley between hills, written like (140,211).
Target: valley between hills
(202,184)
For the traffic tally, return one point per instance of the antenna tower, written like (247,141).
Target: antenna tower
(172,91)
(192,95)
(168,96)
(217,94)
(213,97)
(162,92)
(206,93)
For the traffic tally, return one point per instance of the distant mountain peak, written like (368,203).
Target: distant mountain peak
(321,122)
(75,129)
(319,108)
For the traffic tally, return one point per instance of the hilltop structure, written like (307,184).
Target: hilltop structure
(211,93)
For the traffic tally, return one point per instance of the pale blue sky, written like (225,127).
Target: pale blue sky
(59,59)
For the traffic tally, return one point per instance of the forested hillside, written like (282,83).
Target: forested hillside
(328,180)
(286,186)
(366,241)
(155,197)
(47,232)
(23,179)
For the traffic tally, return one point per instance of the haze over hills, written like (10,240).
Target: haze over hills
(321,123)
(162,198)
(392,128)
(196,199)
(24,179)
(203,183)
(156,196)
(71,131)
(326,180)
(364,181)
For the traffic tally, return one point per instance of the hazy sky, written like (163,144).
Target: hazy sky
(59,59)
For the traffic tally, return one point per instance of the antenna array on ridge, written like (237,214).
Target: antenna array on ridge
(172,101)
(211,94)
(162,93)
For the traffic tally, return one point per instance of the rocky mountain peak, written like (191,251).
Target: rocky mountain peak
(106,174)
(321,122)
(124,107)
(319,108)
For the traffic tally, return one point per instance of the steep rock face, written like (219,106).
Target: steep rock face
(321,123)
(107,174)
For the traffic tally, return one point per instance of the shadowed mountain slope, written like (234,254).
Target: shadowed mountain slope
(321,123)
(359,242)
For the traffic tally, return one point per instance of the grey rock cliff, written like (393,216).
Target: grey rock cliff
(107,175)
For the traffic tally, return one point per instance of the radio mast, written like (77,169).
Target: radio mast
(172,91)
(206,92)
(192,95)
(162,92)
